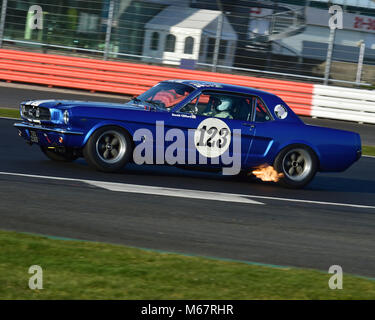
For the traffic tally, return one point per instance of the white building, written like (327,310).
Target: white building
(356,28)
(176,34)
(312,42)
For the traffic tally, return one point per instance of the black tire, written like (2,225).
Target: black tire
(108,149)
(298,163)
(60,154)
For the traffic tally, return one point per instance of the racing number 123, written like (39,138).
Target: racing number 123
(221,142)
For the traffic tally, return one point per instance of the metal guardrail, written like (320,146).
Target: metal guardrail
(343,104)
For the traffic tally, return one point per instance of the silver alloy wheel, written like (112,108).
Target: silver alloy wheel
(297,164)
(111,146)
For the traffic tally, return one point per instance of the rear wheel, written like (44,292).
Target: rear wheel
(298,164)
(108,149)
(60,154)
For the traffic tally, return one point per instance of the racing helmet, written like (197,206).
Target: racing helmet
(225,104)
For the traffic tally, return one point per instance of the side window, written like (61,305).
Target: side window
(243,109)
(261,112)
(221,105)
(203,103)
(190,107)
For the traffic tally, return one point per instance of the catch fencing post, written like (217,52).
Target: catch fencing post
(109,29)
(362,47)
(332,36)
(219,32)
(2,21)
(334,22)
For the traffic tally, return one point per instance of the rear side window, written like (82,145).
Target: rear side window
(261,112)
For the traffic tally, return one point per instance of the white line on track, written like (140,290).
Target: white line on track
(143,189)
(173,192)
(361,206)
(186,193)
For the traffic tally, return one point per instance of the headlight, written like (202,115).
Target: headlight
(66,117)
(23,109)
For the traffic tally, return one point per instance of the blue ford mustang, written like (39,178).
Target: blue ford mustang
(187,123)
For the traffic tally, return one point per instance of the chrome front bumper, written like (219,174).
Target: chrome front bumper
(39,127)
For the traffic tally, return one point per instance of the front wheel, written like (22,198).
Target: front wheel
(298,164)
(60,154)
(108,149)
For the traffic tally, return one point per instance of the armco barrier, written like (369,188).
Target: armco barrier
(343,104)
(130,78)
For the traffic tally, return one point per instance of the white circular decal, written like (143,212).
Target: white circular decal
(281,111)
(212,137)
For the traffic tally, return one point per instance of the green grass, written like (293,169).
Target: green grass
(88,270)
(10,113)
(14,113)
(368,150)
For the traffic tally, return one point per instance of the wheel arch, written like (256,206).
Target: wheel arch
(302,178)
(300,144)
(104,124)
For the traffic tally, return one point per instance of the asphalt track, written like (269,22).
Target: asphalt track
(331,222)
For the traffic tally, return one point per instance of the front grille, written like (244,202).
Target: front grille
(36,113)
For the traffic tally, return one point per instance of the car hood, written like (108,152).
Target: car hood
(68,104)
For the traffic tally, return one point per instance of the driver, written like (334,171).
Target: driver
(221,108)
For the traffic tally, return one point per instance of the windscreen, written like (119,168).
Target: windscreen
(166,95)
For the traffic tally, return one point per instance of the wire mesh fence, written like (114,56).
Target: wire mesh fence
(270,38)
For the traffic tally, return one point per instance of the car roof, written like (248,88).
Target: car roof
(270,99)
(207,85)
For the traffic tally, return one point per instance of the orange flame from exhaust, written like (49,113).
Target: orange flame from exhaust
(267,173)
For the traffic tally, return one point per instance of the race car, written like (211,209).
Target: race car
(190,123)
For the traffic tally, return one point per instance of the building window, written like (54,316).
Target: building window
(189,45)
(170,43)
(154,41)
(211,49)
(223,49)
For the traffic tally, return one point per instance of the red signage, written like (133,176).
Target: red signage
(364,23)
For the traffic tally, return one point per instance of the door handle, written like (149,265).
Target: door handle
(246,124)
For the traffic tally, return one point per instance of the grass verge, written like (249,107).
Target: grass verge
(10,113)
(14,113)
(88,270)
(368,151)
